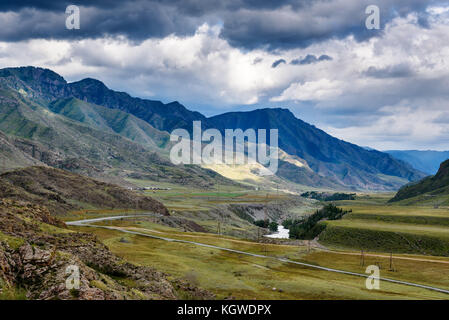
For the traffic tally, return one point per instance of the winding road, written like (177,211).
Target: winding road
(87,223)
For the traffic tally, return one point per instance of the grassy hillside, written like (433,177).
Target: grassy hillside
(434,189)
(36,248)
(62,191)
(390,228)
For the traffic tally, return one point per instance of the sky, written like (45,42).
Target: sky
(386,88)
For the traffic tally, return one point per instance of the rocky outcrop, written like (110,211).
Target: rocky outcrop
(36,249)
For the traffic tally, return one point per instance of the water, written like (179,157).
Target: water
(281,234)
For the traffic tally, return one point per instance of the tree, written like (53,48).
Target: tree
(273,226)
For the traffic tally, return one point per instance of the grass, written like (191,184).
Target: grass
(378,226)
(378,240)
(204,206)
(189,198)
(243,277)
(12,293)
(13,242)
(412,233)
(441,232)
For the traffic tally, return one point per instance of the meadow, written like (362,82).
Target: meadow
(239,276)
(415,237)
(377,225)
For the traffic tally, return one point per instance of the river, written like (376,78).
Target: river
(282,233)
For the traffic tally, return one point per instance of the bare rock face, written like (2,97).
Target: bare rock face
(36,249)
(7,265)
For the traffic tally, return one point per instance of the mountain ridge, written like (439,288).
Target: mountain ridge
(326,155)
(331,159)
(427,161)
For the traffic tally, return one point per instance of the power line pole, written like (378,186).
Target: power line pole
(267,221)
(219,228)
(391,262)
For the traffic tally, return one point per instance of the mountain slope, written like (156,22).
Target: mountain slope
(12,157)
(425,161)
(434,189)
(62,191)
(344,162)
(44,85)
(106,118)
(111,120)
(36,249)
(87,139)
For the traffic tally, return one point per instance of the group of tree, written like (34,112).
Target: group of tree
(309,228)
(323,196)
(273,226)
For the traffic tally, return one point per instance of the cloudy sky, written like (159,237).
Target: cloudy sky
(387,88)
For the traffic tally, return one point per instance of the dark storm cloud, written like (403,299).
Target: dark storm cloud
(277,62)
(246,23)
(310,58)
(395,71)
(293,27)
(136,21)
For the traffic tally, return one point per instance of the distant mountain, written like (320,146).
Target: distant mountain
(434,189)
(82,137)
(89,125)
(47,85)
(425,161)
(342,162)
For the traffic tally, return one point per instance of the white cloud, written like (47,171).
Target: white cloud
(203,69)
(319,90)
(402,128)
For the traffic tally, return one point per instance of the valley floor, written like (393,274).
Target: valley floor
(230,274)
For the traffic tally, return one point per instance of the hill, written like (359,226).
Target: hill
(11,156)
(431,189)
(36,249)
(425,161)
(62,191)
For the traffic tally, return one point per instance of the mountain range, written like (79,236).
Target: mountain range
(327,156)
(427,161)
(88,128)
